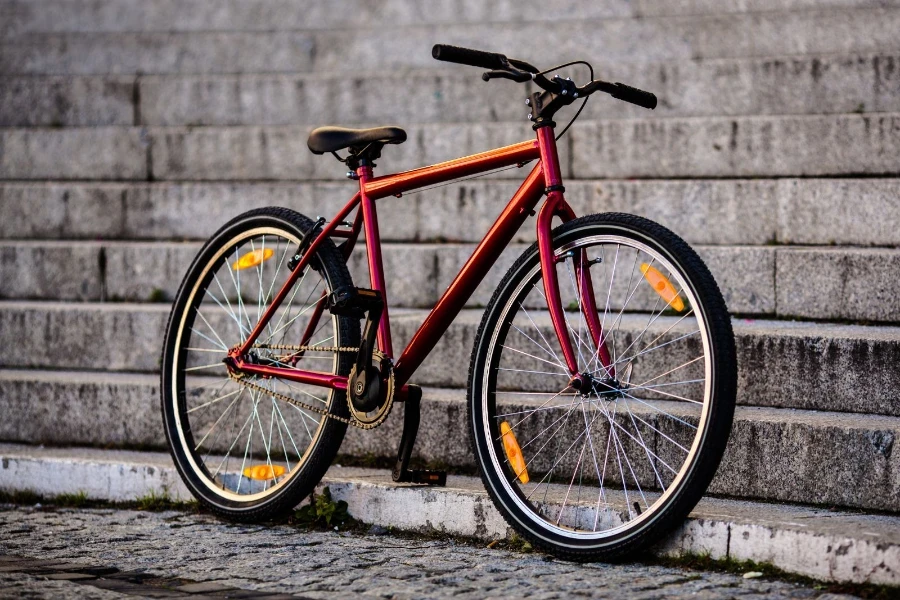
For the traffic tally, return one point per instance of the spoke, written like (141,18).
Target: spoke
(535,357)
(217,364)
(215,350)
(659,410)
(681,366)
(219,399)
(536,372)
(212,383)
(200,314)
(550,352)
(225,412)
(228,302)
(648,350)
(540,333)
(224,348)
(290,303)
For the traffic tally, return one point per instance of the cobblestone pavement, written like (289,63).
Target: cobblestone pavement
(286,560)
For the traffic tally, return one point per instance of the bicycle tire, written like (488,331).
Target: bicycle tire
(497,378)
(221,255)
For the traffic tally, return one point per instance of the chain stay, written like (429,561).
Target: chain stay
(242,380)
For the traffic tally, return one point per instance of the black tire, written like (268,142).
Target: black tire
(515,366)
(215,278)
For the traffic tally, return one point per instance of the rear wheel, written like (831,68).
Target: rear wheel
(609,469)
(247,451)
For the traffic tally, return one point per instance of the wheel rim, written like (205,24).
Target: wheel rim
(245,445)
(599,462)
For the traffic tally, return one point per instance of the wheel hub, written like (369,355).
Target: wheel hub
(608,388)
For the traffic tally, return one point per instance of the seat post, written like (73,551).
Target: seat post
(373,252)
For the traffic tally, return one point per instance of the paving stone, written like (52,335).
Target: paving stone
(322,564)
(203,587)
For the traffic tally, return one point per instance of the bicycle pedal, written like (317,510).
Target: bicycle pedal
(353,302)
(438,478)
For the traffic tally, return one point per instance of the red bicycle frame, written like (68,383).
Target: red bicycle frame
(545,177)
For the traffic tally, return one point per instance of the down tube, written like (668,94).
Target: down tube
(447,308)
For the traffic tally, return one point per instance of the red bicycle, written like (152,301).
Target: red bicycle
(602,380)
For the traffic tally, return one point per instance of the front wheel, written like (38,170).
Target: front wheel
(606,469)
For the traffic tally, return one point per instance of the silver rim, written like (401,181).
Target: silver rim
(606,461)
(242,444)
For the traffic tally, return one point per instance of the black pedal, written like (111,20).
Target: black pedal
(426,476)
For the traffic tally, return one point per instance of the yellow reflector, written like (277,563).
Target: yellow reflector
(264,472)
(252,259)
(513,452)
(662,286)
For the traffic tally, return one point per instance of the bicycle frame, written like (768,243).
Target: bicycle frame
(545,177)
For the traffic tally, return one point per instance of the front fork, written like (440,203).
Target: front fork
(556,205)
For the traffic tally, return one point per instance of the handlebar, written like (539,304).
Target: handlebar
(502,67)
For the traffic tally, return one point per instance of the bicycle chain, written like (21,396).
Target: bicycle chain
(241,380)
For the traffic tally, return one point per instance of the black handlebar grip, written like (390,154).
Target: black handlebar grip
(465,56)
(634,95)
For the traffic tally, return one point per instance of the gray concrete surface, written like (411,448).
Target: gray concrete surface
(821,543)
(628,40)
(855,284)
(418,273)
(708,147)
(166,15)
(738,147)
(817,457)
(780,363)
(67,101)
(115,153)
(722,212)
(772,85)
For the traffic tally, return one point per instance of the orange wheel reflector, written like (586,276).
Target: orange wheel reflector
(514,452)
(264,472)
(662,286)
(252,259)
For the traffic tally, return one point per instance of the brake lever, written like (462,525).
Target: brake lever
(514,75)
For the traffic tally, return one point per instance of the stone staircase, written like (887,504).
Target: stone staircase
(130,130)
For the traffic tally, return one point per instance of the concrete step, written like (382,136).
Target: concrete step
(611,41)
(786,364)
(197,15)
(816,542)
(67,101)
(723,212)
(778,85)
(776,454)
(116,153)
(775,146)
(418,273)
(818,283)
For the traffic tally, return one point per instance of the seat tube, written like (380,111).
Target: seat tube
(373,253)
(556,205)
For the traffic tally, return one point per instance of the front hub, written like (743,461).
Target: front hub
(608,388)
